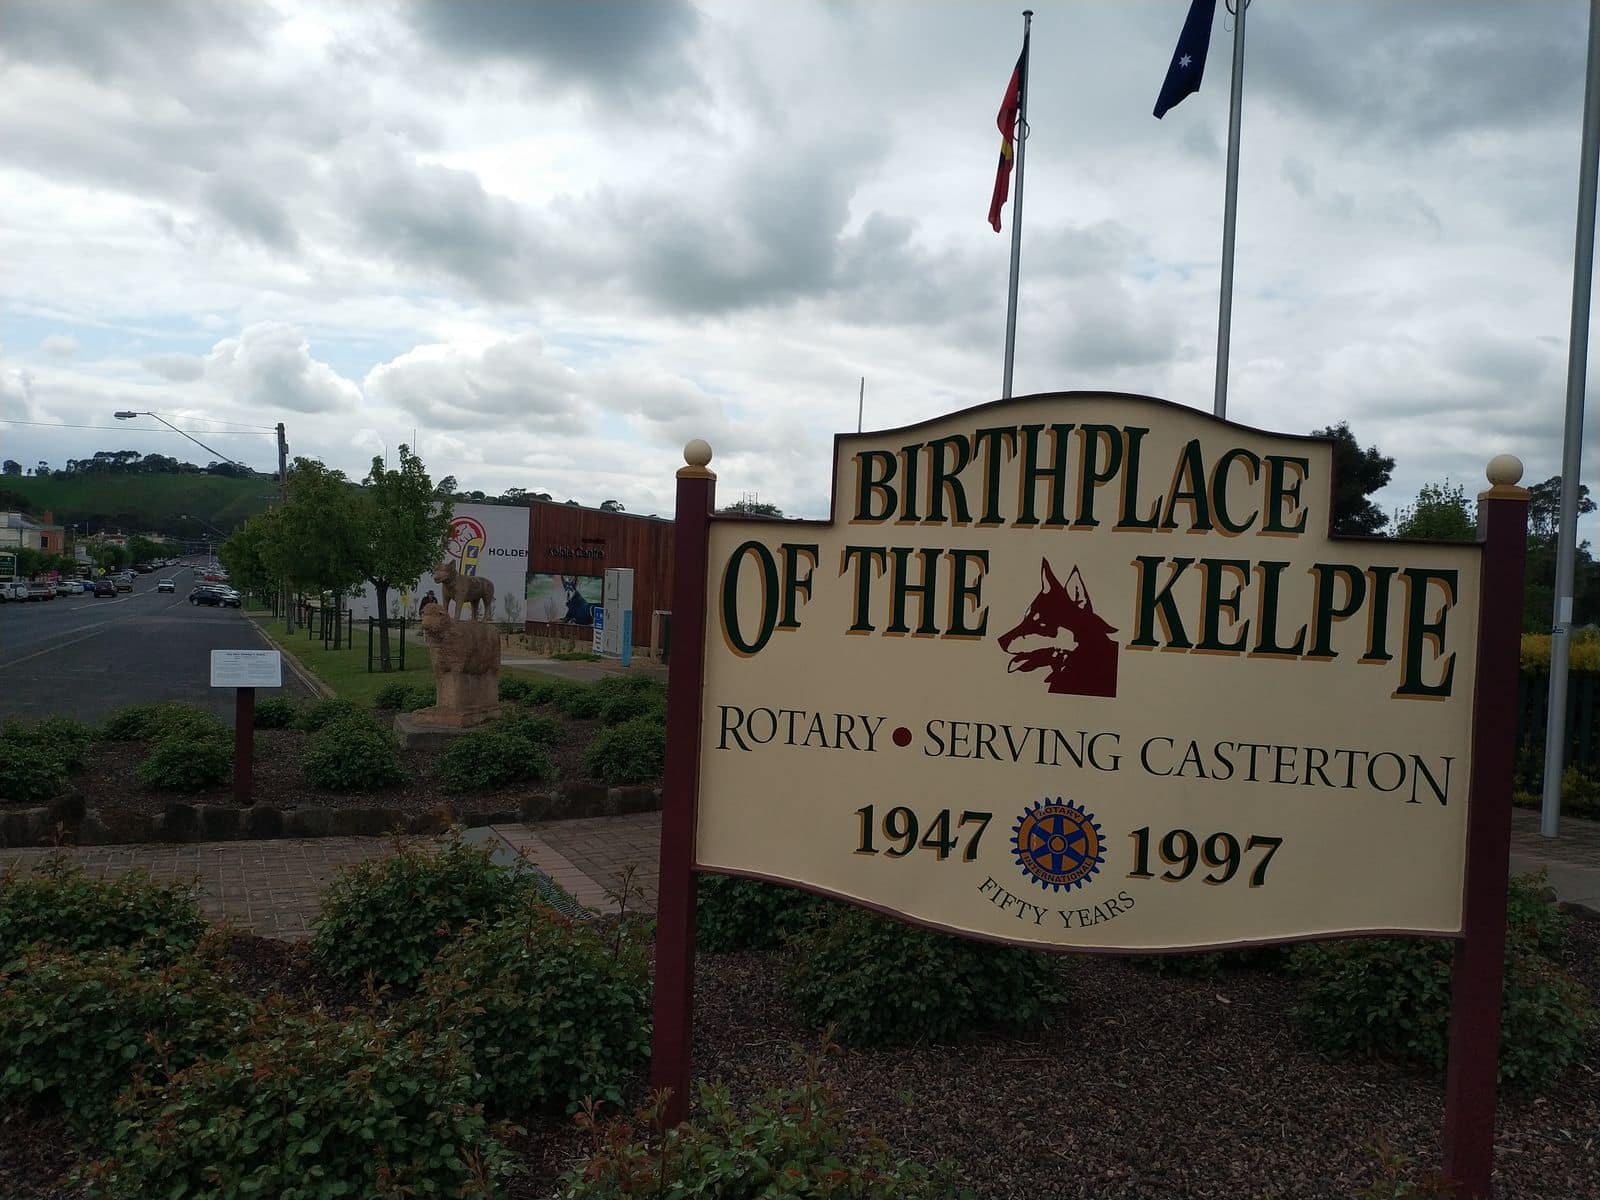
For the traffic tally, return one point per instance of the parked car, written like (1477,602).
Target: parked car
(213,597)
(105,587)
(167,585)
(124,583)
(16,590)
(67,587)
(40,589)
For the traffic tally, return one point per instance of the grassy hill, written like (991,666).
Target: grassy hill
(145,503)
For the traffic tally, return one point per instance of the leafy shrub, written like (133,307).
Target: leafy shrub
(550,1011)
(334,711)
(276,712)
(392,695)
(419,697)
(61,906)
(185,763)
(491,758)
(534,729)
(313,1107)
(513,689)
(547,689)
(75,1031)
(879,981)
(633,752)
(351,754)
(1392,996)
(745,914)
(791,1142)
(580,701)
(1531,915)
(140,722)
(625,703)
(391,917)
(30,773)
(68,740)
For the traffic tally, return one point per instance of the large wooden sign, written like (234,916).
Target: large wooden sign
(1091,672)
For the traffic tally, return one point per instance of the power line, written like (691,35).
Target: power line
(141,428)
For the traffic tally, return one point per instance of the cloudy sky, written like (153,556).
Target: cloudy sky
(549,242)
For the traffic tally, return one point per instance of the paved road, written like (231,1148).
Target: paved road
(78,656)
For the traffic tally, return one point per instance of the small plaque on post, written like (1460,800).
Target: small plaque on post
(246,668)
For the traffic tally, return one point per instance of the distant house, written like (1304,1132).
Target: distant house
(18,529)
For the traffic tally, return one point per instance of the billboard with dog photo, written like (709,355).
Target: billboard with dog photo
(485,541)
(1090,671)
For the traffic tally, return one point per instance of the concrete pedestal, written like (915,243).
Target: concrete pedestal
(426,729)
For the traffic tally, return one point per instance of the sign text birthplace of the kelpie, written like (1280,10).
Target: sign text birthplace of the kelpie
(1089,671)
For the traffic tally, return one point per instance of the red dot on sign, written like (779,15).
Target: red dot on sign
(902,736)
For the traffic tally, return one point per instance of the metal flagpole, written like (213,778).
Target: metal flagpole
(1016,208)
(861,403)
(1230,210)
(1555,728)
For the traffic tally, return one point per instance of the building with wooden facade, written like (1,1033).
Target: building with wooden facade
(569,549)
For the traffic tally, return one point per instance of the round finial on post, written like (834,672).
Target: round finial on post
(696,455)
(1505,470)
(1505,473)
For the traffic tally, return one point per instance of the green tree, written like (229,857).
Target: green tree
(318,540)
(1539,578)
(754,508)
(253,554)
(11,467)
(403,526)
(1357,474)
(1440,514)
(108,556)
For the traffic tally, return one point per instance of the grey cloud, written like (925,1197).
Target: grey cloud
(97,37)
(442,220)
(613,46)
(178,368)
(252,208)
(270,366)
(1417,70)
(59,345)
(453,387)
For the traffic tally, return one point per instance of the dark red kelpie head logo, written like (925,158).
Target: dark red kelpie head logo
(1060,635)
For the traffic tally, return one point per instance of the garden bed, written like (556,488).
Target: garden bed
(104,803)
(1148,1086)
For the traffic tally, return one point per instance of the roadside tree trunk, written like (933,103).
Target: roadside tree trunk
(381,587)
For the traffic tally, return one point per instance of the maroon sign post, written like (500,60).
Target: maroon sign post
(244,745)
(244,671)
(673,1008)
(1472,1075)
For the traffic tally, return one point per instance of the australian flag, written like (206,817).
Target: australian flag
(1189,59)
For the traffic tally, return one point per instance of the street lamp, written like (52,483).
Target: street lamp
(128,416)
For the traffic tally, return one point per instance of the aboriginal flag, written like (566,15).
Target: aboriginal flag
(1010,107)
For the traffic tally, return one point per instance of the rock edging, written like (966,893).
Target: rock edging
(70,822)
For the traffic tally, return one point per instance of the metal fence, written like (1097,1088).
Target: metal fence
(1533,706)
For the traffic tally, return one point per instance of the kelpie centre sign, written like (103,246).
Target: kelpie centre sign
(1089,671)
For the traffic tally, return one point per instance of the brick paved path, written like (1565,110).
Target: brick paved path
(1571,861)
(274,888)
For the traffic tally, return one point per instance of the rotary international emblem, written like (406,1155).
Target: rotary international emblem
(1057,844)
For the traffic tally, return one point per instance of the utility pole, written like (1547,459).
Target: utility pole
(283,498)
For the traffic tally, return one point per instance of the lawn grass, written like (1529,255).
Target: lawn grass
(345,670)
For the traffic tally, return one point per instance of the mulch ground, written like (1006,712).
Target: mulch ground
(108,782)
(1147,1087)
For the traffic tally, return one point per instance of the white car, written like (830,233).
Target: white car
(167,585)
(13,591)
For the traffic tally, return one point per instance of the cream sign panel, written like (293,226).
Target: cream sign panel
(1088,670)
